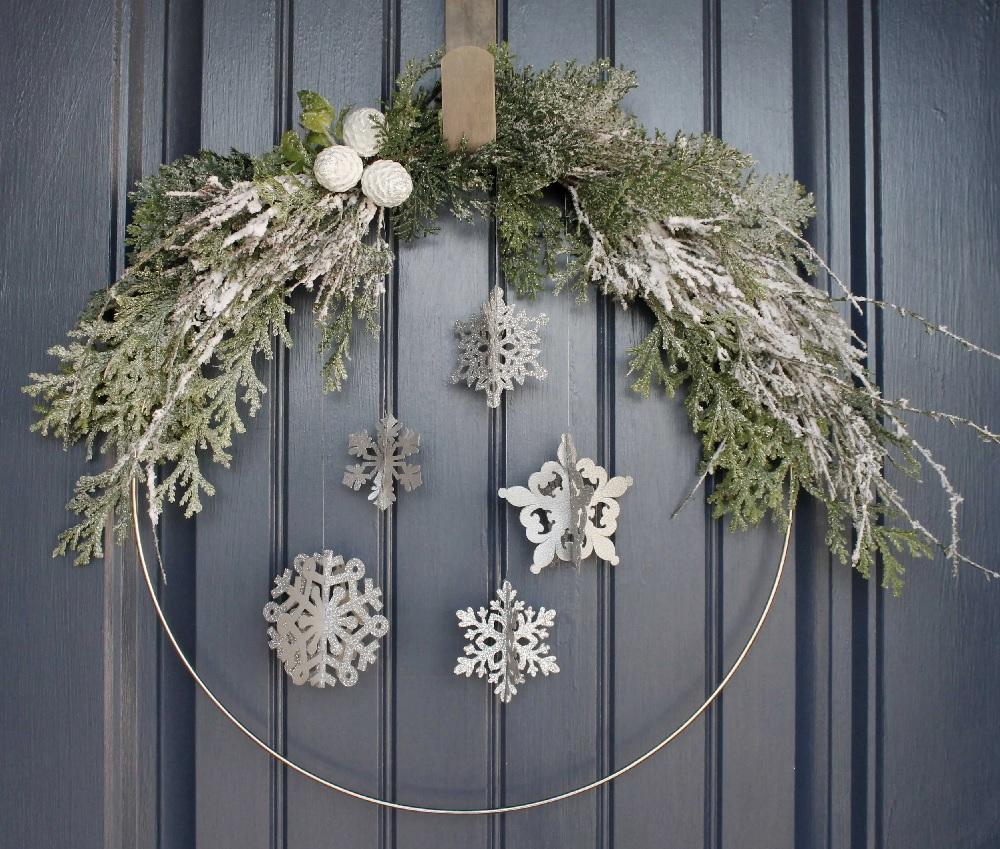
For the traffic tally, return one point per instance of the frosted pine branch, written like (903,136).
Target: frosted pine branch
(160,369)
(788,351)
(931,327)
(168,352)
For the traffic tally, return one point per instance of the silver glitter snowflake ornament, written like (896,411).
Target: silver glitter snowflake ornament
(506,642)
(383,461)
(498,348)
(322,621)
(569,508)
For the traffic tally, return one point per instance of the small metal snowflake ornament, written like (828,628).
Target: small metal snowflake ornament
(321,620)
(498,348)
(506,642)
(569,509)
(383,461)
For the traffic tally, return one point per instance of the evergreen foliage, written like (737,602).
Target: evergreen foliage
(160,368)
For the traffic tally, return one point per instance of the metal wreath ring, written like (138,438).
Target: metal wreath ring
(421,809)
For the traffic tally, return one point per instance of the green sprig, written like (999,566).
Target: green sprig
(578,190)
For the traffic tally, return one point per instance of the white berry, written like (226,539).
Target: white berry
(338,168)
(386,183)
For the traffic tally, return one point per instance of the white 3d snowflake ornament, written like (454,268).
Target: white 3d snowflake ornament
(498,348)
(361,130)
(506,642)
(322,621)
(569,509)
(383,461)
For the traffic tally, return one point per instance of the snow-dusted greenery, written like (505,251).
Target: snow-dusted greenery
(774,382)
(160,363)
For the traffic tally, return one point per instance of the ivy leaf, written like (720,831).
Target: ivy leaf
(294,153)
(312,101)
(315,142)
(338,126)
(316,122)
(317,117)
(315,109)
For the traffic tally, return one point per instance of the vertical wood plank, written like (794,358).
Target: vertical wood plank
(440,547)
(553,727)
(758,709)
(825,650)
(937,78)
(58,243)
(178,128)
(335,733)
(133,707)
(234,536)
(122,671)
(659,598)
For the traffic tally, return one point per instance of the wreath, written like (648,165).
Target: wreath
(159,370)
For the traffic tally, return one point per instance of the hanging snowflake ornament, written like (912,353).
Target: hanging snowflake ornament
(506,642)
(498,348)
(383,461)
(322,621)
(569,508)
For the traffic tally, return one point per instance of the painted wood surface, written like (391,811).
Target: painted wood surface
(860,720)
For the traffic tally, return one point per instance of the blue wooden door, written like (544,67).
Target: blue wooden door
(859,720)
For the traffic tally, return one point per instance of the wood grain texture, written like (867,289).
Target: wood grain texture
(440,548)
(937,77)
(468,89)
(235,535)
(468,97)
(56,245)
(860,720)
(757,731)
(826,655)
(470,23)
(336,733)
(172,116)
(555,728)
(659,587)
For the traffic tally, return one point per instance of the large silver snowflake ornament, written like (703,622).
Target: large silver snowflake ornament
(506,642)
(325,629)
(383,461)
(569,509)
(498,348)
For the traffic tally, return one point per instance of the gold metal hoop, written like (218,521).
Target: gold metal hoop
(420,809)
